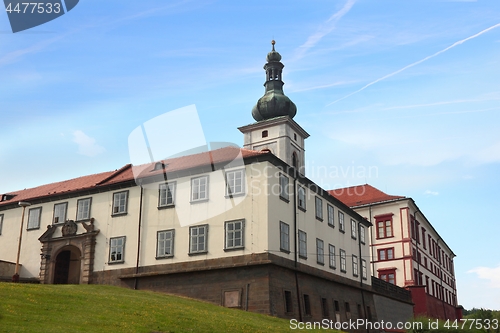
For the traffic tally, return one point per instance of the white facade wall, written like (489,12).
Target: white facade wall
(261,209)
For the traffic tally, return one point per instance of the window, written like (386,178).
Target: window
(288,302)
(165,244)
(320,252)
(342,261)
(234,234)
(116,250)
(319,209)
(120,202)
(83,209)
(1,223)
(265,134)
(341,221)
(283,187)
(361,234)
(284,237)
(199,188)
(307,305)
(235,181)
(353,229)
(301,193)
(302,244)
(386,254)
(295,160)
(329,209)
(336,305)
(355,265)
(384,226)
(198,239)
(324,307)
(388,276)
(34,218)
(166,195)
(364,270)
(331,256)
(60,212)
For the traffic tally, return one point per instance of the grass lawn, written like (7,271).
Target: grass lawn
(97,308)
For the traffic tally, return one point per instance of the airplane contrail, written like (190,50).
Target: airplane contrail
(418,62)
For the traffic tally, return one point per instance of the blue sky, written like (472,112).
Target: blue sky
(407,88)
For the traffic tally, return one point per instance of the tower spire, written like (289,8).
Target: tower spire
(274,103)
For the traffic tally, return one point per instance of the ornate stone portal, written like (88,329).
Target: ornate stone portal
(68,258)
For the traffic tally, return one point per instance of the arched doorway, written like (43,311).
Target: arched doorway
(67,266)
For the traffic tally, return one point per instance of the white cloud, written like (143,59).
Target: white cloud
(86,145)
(418,62)
(429,192)
(325,29)
(487,273)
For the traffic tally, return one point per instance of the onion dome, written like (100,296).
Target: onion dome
(274,103)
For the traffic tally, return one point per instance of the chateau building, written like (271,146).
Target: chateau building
(406,250)
(241,228)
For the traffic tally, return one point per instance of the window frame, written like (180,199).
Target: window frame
(205,243)
(78,202)
(318,208)
(227,232)
(362,234)
(385,252)
(384,224)
(199,199)
(354,233)
(302,244)
(168,187)
(301,195)
(111,246)
(229,193)
(343,263)
(384,274)
(332,260)
(355,265)
(65,214)
(330,212)
(284,184)
(172,241)
(284,240)
(341,221)
(320,251)
(39,218)
(364,269)
(117,212)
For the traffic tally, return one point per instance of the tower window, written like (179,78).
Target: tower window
(265,134)
(295,136)
(295,162)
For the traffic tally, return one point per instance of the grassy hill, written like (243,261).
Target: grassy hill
(96,308)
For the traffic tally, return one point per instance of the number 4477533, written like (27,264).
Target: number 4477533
(34,8)
(472,324)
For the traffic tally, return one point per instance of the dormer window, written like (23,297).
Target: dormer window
(265,134)
(159,166)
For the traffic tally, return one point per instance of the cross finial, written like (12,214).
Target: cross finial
(273,42)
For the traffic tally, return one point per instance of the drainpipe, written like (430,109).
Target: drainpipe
(138,237)
(295,237)
(372,259)
(361,275)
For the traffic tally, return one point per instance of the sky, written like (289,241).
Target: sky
(403,95)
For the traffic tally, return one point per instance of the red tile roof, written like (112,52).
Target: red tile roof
(126,173)
(362,195)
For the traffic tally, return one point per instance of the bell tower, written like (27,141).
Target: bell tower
(275,128)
